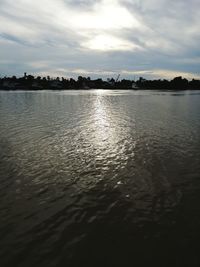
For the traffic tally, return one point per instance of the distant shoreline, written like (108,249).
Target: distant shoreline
(31,83)
(91,89)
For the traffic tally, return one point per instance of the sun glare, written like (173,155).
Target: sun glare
(108,42)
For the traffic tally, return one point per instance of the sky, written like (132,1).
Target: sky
(100,38)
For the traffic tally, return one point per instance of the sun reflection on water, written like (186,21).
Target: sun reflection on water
(102,118)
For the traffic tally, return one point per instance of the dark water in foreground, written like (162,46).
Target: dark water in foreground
(99,178)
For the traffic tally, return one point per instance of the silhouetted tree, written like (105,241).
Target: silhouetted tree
(179,83)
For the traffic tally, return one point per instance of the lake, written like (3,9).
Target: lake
(99,178)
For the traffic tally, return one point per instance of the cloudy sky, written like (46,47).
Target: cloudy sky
(100,38)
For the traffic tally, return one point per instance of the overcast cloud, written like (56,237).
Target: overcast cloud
(149,38)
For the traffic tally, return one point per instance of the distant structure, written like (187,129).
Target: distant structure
(112,81)
(56,84)
(25,76)
(117,78)
(134,86)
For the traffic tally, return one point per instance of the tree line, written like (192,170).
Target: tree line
(29,82)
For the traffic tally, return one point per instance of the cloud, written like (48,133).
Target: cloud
(105,16)
(158,73)
(112,35)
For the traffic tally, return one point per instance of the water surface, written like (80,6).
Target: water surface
(99,178)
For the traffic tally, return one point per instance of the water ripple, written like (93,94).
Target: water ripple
(99,178)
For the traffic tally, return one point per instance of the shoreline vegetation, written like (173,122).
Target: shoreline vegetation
(29,82)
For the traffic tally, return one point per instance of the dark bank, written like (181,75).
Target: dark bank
(29,82)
